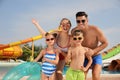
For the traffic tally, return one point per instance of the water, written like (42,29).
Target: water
(104,71)
(5,69)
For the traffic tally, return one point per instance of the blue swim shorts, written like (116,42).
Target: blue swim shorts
(96,60)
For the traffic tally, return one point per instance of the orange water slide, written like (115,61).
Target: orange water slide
(12,50)
(20,42)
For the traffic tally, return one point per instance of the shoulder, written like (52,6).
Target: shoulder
(43,51)
(93,27)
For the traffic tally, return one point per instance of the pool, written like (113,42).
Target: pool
(104,71)
(5,68)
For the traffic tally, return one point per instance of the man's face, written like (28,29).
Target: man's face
(82,22)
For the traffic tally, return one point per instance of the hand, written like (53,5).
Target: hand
(90,52)
(34,21)
(83,69)
(44,59)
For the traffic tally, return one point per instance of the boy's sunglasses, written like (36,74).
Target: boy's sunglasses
(79,21)
(50,39)
(79,38)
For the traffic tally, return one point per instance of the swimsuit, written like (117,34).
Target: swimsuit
(64,49)
(75,74)
(49,68)
(96,60)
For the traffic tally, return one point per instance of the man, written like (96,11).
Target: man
(94,39)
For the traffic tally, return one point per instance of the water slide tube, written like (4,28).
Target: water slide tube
(112,53)
(30,69)
(23,41)
(11,52)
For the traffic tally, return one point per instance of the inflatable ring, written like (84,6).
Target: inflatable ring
(30,69)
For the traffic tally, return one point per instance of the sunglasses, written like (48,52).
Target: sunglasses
(79,21)
(50,39)
(79,38)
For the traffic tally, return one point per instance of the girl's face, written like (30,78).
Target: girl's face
(65,25)
(50,40)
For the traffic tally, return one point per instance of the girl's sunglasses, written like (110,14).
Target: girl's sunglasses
(50,39)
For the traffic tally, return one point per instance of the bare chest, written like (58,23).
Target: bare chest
(90,40)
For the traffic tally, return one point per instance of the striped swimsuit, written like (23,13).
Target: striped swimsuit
(49,68)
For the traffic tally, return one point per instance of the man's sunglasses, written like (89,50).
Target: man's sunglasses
(79,21)
(50,39)
(79,38)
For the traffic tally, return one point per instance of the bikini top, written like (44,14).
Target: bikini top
(64,49)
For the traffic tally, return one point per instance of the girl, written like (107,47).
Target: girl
(50,58)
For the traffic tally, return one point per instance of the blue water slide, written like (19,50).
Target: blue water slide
(30,69)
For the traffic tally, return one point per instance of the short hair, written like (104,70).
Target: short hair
(81,13)
(77,33)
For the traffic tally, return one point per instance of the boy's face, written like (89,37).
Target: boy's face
(77,39)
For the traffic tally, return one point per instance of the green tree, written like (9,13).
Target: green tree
(27,51)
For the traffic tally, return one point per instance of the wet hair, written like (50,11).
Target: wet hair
(81,13)
(66,19)
(77,33)
(53,34)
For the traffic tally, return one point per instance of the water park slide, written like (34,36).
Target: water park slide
(113,54)
(12,50)
(23,41)
(30,69)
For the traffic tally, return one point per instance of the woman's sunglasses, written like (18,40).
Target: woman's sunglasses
(50,39)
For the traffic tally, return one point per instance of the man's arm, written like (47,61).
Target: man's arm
(103,41)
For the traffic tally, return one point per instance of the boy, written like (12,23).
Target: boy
(76,56)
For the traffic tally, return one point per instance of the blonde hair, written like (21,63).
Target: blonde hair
(77,33)
(62,21)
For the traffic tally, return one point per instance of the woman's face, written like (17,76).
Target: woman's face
(65,26)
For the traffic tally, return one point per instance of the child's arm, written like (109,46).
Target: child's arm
(38,27)
(89,62)
(68,57)
(53,61)
(39,56)
(88,54)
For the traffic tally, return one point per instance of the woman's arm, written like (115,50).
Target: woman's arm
(35,22)
(40,29)
(68,57)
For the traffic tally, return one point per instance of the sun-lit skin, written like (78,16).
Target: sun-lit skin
(62,39)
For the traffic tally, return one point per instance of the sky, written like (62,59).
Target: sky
(16,16)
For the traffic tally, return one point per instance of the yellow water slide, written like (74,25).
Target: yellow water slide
(12,50)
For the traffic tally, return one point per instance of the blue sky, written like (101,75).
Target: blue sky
(16,15)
